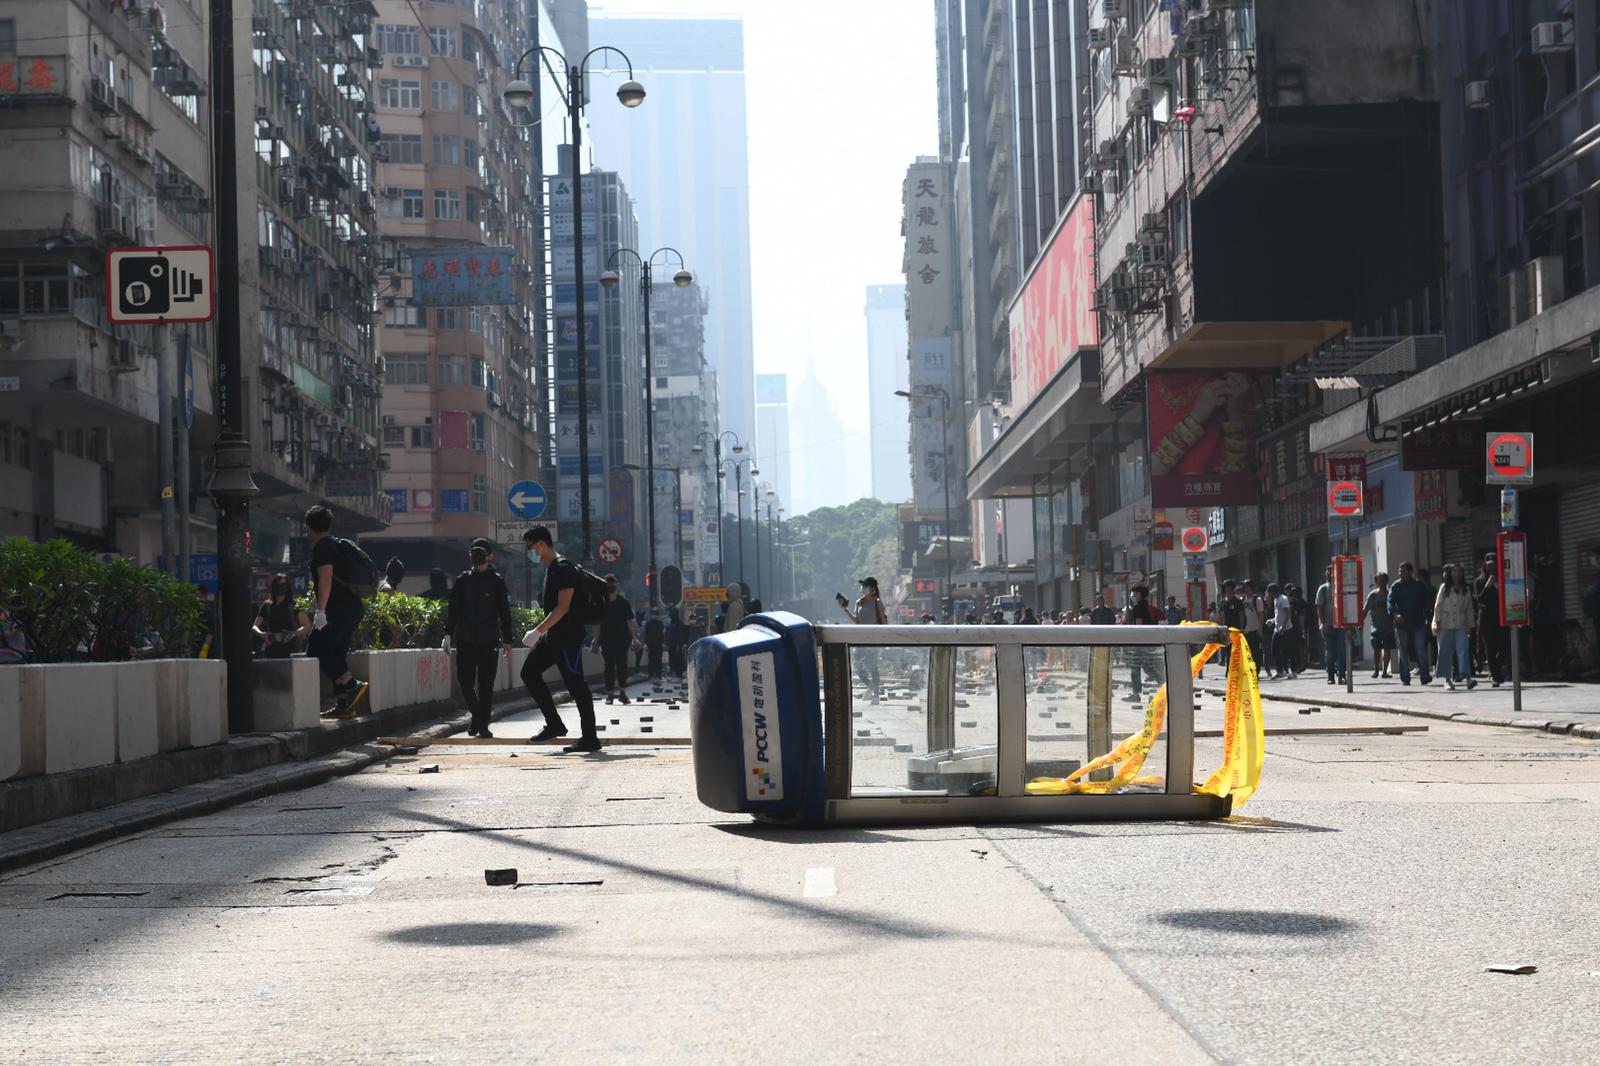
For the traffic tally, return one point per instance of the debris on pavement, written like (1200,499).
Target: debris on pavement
(428,768)
(500,878)
(1510,968)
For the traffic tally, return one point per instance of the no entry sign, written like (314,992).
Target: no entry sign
(609,550)
(1508,458)
(1194,540)
(1344,499)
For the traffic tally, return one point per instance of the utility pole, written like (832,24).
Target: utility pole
(169,518)
(231,484)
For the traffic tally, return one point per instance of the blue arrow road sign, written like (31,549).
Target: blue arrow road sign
(527,499)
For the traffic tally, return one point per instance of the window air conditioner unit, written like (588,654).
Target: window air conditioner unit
(1157,70)
(1110,149)
(1153,222)
(1552,37)
(1090,183)
(1121,300)
(1099,38)
(1121,279)
(388,420)
(1224,5)
(1153,254)
(1477,94)
(1139,101)
(1111,184)
(1113,9)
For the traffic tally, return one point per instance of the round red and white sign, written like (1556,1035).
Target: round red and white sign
(609,550)
(1511,455)
(1194,539)
(1344,499)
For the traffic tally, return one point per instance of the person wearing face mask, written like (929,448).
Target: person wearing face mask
(478,612)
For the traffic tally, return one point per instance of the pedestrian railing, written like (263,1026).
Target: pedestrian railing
(844,723)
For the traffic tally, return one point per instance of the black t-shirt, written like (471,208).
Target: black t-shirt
(1141,614)
(562,574)
(325,552)
(277,617)
(614,630)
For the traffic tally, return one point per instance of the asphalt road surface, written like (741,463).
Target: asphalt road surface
(1346,914)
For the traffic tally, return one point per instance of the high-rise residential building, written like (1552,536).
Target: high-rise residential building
(684,156)
(462,311)
(816,481)
(686,414)
(888,371)
(773,446)
(107,104)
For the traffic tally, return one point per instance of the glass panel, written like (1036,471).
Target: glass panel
(923,720)
(1083,702)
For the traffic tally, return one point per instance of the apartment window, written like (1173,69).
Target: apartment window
(402,147)
(442,42)
(446,150)
(400,94)
(469,45)
(447,204)
(472,206)
(447,318)
(409,368)
(480,491)
(400,40)
(475,318)
(476,425)
(445,96)
(452,370)
(403,316)
(8,36)
(422,436)
(469,153)
(477,371)
(394,436)
(5,442)
(406,205)
(35,289)
(470,104)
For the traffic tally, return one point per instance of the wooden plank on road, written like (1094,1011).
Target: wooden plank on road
(1329,731)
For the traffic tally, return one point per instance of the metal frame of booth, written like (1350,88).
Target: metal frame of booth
(1011,803)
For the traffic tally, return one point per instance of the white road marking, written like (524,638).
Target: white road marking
(820,882)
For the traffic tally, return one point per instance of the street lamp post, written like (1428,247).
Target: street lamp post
(932,392)
(677,512)
(519,94)
(715,440)
(682,279)
(738,502)
(231,484)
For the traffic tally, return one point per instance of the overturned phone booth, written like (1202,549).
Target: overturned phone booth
(832,724)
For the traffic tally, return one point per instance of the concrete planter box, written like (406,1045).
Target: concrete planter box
(404,676)
(56,717)
(288,694)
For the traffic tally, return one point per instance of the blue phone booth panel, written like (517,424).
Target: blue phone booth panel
(755,716)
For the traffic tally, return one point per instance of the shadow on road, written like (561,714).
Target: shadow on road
(471,934)
(1258,923)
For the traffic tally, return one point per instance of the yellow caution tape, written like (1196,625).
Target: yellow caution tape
(1243,743)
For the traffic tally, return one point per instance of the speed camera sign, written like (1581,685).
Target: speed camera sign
(159,285)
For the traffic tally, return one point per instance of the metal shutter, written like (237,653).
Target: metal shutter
(1580,529)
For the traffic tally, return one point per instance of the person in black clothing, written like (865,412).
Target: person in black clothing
(558,641)
(438,585)
(277,623)
(617,635)
(1102,615)
(1140,612)
(1493,635)
(678,639)
(655,638)
(479,611)
(337,613)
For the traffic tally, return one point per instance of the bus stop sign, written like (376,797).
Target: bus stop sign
(1508,458)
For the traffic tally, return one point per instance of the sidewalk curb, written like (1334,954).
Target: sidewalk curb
(1557,727)
(47,840)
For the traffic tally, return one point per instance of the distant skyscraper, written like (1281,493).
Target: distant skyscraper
(888,369)
(684,156)
(772,434)
(818,479)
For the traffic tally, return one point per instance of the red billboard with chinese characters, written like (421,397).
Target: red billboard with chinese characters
(1202,447)
(1053,316)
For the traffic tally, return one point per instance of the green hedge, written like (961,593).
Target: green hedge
(396,620)
(71,607)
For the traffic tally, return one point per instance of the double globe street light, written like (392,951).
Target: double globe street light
(610,279)
(519,95)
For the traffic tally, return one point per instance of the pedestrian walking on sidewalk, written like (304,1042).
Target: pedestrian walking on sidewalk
(1255,625)
(1332,639)
(1382,623)
(618,635)
(558,641)
(337,609)
(1140,612)
(869,610)
(1284,634)
(1412,612)
(477,626)
(1452,625)
(679,637)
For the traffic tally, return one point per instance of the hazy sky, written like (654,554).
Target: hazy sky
(842,98)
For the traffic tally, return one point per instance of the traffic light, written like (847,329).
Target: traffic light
(671,587)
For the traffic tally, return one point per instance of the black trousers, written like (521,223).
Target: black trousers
(655,662)
(1496,651)
(567,658)
(476,665)
(616,661)
(676,660)
(330,645)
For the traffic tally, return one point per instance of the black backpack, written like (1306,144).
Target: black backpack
(590,596)
(361,573)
